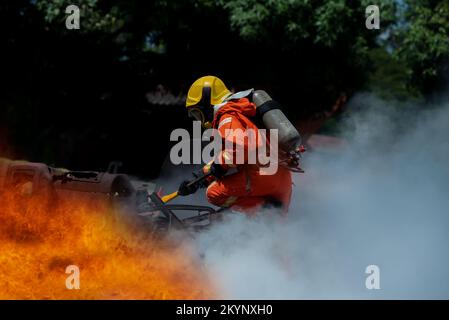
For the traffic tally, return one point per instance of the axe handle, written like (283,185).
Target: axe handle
(169,197)
(173,195)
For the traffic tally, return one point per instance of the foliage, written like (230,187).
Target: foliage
(75,92)
(423,42)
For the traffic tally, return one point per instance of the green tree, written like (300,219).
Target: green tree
(70,91)
(422,41)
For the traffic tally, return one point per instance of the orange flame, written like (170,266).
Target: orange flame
(116,259)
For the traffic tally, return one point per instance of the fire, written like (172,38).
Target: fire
(117,260)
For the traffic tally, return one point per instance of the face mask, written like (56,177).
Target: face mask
(196,114)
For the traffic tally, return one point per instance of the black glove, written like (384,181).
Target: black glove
(217,170)
(184,189)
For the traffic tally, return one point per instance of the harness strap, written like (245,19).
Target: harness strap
(267,106)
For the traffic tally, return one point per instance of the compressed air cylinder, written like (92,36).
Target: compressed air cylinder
(274,118)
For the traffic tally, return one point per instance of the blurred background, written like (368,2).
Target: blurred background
(115,88)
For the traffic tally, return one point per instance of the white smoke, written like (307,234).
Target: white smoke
(383,200)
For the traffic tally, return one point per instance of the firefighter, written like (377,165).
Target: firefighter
(239,186)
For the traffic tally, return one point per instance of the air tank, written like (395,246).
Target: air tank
(274,118)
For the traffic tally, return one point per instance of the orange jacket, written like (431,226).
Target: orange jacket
(247,189)
(231,120)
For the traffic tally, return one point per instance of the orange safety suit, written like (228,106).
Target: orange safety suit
(246,190)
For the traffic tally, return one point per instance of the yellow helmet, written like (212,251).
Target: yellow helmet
(202,96)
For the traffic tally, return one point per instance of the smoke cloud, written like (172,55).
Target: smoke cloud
(382,200)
